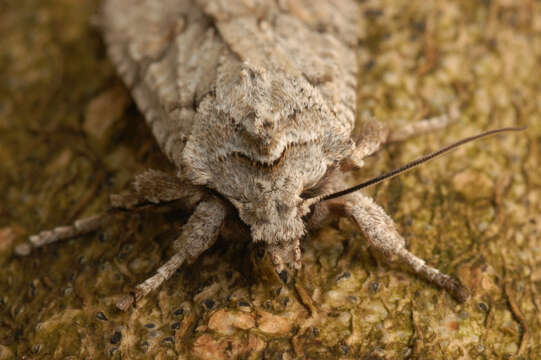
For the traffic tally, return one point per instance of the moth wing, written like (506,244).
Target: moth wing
(166,52)
(313,39)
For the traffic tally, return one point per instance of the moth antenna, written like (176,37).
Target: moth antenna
(415,163)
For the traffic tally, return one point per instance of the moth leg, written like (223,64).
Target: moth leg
(199,233)
(370,139)
(382,235)
(149,188)
(80,227)
(420,127)
(373,135)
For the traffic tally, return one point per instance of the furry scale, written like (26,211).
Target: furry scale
(254,104)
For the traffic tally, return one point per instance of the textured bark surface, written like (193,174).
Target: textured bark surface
(70,135)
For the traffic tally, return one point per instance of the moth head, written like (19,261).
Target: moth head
(275,220)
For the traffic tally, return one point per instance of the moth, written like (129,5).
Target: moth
(253,102)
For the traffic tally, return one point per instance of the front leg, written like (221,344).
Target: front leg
(424,126)
(382,235)
(374,135)
(199,233)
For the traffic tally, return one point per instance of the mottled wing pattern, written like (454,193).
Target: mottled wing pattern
(337,17)
(170,53)
(312,38)
(166,52)
(328,58)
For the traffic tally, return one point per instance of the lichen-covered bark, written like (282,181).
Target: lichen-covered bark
(70,135)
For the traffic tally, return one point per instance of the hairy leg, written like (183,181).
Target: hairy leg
(373,135)
(80,227)
(420,127)
(380,232)
(199,233)
(150,188)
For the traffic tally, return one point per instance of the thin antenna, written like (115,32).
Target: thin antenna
(417,162)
